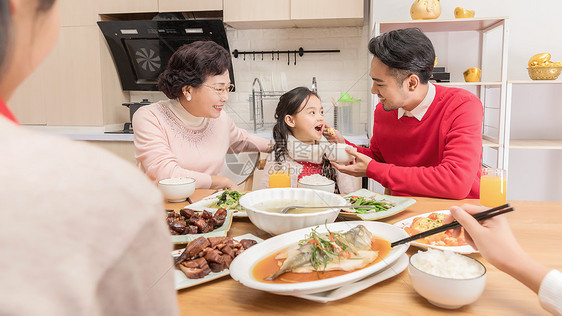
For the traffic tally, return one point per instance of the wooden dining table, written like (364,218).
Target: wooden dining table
(536,225)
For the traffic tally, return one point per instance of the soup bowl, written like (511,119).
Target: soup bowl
(177,189)
(258,205)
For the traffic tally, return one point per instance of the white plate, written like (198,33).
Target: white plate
(205,204)
(242,266)
(402,203)
(183,282)
(217,232)
(459,249)
(342,292)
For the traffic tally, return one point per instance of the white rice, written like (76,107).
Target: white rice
(447,264)
(315,179)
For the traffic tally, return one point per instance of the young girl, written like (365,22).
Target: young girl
(300,147)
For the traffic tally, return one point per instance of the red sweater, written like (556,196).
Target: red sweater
(438,156)
(4,111)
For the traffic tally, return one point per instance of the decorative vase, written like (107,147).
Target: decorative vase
(425,9)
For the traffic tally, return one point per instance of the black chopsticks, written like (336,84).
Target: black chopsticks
(478,216)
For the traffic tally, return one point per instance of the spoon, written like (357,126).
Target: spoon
(285,210)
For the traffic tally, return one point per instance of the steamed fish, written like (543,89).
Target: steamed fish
(330,251)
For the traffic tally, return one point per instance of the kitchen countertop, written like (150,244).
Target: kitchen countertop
(99,134)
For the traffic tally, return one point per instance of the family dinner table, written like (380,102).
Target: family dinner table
(536,225)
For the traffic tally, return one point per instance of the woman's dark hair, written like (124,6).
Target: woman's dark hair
(6,21)
(406,52)
(191,64)
(289,104)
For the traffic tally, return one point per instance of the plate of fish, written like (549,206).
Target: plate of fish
(317,259)
(194,269)
(226,199)
(378,205)
(443,241)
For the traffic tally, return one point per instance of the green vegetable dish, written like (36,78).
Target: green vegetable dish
(371,204)
(229,200)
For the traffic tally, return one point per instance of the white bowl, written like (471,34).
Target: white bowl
(446,292)
(177,189)
(277,223)
(341,156)
(241,268)
(331,187)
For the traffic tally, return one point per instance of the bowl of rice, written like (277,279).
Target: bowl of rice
(317,182)
(447,279)
(177,189)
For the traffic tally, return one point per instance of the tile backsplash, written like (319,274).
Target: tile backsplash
(334,72)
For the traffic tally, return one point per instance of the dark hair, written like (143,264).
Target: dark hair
(6,21)
(191,64)
(289,104)
(406,52)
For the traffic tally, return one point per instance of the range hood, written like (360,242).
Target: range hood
(141,48)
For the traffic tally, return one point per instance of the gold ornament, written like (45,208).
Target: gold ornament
(425,9)
(472,74)
(463,13)
(541,60)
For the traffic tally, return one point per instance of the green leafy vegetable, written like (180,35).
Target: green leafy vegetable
(229,200)
(371,204)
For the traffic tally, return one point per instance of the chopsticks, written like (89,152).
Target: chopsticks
(502,209)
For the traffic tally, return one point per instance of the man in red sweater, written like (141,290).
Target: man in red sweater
(427,139)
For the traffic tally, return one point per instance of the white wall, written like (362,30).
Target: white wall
(534,174)
(334,72)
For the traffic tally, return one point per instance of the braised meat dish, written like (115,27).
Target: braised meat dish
(189,221)
(214,254)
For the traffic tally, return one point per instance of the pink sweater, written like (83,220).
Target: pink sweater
(166,147)
(438,156)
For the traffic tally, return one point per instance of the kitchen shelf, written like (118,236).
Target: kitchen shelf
(453,25)
(489,142)
(558,81)
(461,83)
(536,143)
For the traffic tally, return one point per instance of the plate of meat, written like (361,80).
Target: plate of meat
(205,259)
(187,224)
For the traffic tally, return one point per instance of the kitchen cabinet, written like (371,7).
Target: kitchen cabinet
(127,6)
(488,54)
(189,6)
(251,14)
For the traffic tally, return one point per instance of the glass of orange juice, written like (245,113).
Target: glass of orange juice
(493,187)
(279,177)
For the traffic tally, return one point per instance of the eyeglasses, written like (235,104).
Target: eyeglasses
(222,91)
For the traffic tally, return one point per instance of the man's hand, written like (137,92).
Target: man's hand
(358,168)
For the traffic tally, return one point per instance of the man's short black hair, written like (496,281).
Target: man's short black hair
(406,51)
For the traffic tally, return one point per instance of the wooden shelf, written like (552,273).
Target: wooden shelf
(489,142)
(453,25)
(462,83)
(558,81)
(536,143)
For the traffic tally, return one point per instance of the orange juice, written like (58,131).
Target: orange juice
(492,190)
(279,179)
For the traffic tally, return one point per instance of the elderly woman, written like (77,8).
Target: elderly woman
(104,246)
(189,134)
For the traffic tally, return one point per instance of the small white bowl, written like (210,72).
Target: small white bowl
(277,223)
(331,187)
(341,156)
(446,292)
(177,189)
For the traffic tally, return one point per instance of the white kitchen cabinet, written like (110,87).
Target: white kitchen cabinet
(189,5)
(489,53)
(251,14)
(127,6)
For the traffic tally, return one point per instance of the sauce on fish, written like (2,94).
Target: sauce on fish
(270,265)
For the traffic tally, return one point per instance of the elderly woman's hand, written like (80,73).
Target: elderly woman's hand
(220,182)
